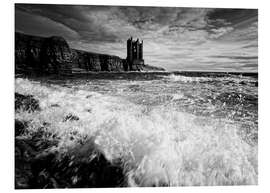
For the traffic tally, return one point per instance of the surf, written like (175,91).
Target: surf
(158,145)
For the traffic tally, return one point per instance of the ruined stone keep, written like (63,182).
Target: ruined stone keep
(134,54)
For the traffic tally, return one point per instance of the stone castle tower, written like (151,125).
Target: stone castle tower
(134,54)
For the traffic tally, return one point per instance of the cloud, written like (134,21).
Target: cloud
(26,23)
(216,33)
(174,38)
(238,57)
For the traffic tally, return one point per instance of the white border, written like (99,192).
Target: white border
(7,90)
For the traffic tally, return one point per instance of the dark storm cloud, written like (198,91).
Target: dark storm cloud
(175,38)
(231,16)
(74,18)
(26,23)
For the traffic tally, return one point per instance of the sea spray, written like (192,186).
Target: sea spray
(157,145)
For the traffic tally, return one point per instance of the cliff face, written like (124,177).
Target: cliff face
(52,55)
(41,55)
(96,62)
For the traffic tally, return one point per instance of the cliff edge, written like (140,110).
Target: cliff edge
(52,55)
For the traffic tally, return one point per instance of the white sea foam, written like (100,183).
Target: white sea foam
(181,78)
(177,96)
(188,79)
(161,146)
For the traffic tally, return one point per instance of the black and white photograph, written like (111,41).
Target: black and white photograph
(110,96)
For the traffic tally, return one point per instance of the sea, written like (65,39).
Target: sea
(172,128)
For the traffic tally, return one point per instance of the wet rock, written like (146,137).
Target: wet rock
(82,167)
(24,152)
(41,169)
(55,105)
(233,98)
(20,127)
(39,165)
(88,96)
(26,103)
(243,83)
(71,117)
(46,124)
(100,172)
(27,150)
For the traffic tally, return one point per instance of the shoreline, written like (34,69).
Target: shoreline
(130,74)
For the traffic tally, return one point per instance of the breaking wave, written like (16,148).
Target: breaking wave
(176,78)
(156,146)
(238,79)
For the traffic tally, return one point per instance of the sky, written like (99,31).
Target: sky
(175,38)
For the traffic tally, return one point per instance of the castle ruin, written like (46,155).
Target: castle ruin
(134,54)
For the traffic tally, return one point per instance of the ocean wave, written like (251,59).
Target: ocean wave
(176,78)
(224,79)
(157,146)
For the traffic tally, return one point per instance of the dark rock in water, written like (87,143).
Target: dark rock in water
(55,105)
(41,170)
(71,117)
(26,150)
(88,96)
(20,127)
(82,167)
(26,103)
(23,173)
(243,83)
(233,98)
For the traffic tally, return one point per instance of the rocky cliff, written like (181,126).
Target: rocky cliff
(52,55)
(96,62)
(41,55)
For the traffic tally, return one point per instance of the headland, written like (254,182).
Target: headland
(35,55)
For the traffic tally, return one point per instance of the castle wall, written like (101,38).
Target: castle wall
(141,51)
(134,54)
